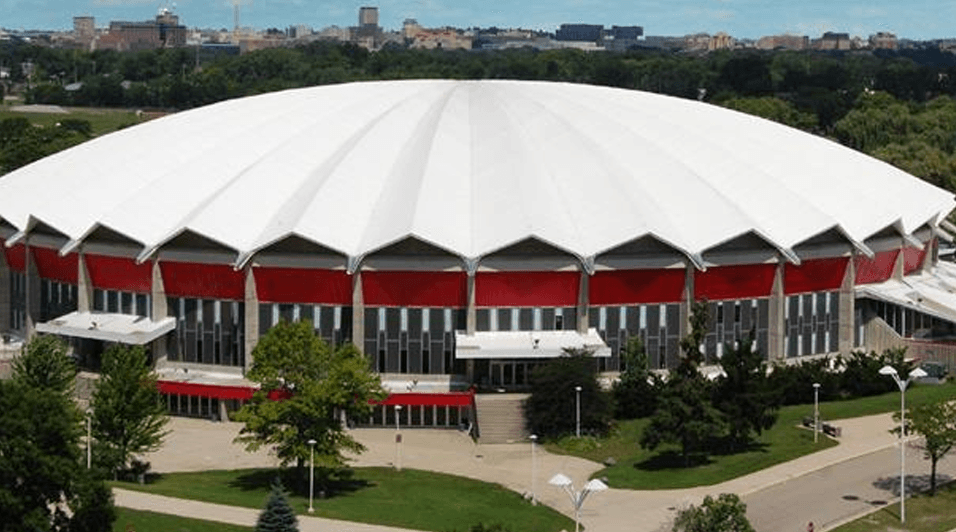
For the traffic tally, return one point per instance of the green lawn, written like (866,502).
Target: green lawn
(637,468)
(103,121)
(413,499)
(923,514)
(135,520)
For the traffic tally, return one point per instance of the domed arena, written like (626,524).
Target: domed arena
(462,232)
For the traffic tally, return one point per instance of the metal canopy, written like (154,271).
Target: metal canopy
(109,327)
(526,344)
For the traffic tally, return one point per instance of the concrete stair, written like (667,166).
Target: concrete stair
(501,417)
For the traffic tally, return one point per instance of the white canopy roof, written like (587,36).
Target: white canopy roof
(109,327)
(931,292)
(527,344)
(469,166)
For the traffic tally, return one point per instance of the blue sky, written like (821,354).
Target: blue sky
(916,19)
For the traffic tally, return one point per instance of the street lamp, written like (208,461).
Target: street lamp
(915,374)
(398,439)
(89,437)
(311,473)
(577,410)
(534,499)
(577,497)
(816,410)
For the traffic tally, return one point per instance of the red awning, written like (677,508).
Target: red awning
(206,390)
(429,399)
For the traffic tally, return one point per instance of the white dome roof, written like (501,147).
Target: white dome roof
(469,166)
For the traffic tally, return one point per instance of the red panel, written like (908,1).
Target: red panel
(912,259)
(734,282)
(527,289)
(50,265)
(814,275)
(214,281)
(429,399)
(119,273)
(636,286)
(301,285)
(16,257)
(877,269)
(415,289)
(205,390)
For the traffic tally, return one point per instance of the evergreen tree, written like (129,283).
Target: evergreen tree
(636,393)
(45,365)
(277,516)
(744,394)
(550,410)
(685,415)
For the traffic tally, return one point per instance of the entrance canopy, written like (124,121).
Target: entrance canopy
(931,292)
(108,327)
(527,344)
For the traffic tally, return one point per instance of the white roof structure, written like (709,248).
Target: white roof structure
(931,292)
(527,344)
(109,327)
(468,166)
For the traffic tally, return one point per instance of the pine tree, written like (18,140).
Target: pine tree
(277,516)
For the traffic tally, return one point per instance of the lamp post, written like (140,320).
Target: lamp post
(816,410)
(577,410)
(915,374)
(534,499)
(577,497)
(311,473)
(398,439)
(89,437)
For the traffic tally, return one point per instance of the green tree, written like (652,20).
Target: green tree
(550,409)
(774,109)
(743,393)
(936,423)
(128,416)
(277,516)
(636,392)
(320,385)
(45,364)
(726,513)
(685,415)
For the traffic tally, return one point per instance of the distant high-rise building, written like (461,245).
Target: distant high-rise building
(162,32)
(883,40)
(368,16)
(579,32)
(84,27)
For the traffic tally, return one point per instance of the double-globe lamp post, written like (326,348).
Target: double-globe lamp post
(577,410)
(915,374)
(577,497)
(534,470)
(89,437)
(311,473)
(398,439)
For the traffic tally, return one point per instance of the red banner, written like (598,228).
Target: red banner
(913,259)
(119,273)
(302,285)
(622,287)
(527,289)
(877,269)
(50,265)
(734,282)
(429,399)
(415,289)
(16,257)
(814,275)
(207,281)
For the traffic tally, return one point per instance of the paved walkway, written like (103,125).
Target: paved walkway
(197,445)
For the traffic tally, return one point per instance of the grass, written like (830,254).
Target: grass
(923,514)
(411,499)
(637,468)
(102,121)
(139,521)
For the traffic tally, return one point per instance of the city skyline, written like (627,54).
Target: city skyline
(740,18)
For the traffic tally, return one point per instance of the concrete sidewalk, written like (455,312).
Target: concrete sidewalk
(197,445)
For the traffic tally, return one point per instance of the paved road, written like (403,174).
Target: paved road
(840,492)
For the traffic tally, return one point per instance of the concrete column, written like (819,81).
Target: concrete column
(900,263)
(160,310)
(776,322)
(686,301)
(583,303)
(84,287)
(930,256)
(251,319)
(6,298)
(32,293)
(358,312)
(847,308)
(471,312)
